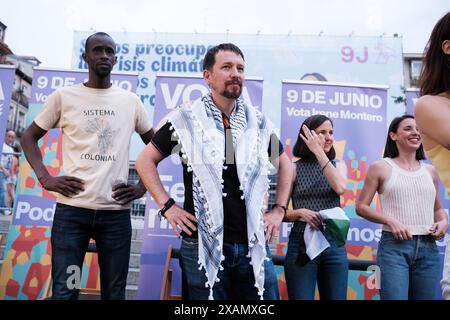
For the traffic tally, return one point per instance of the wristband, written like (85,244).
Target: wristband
(326,165)
(169,203)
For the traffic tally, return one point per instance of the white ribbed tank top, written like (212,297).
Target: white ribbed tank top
(409,197)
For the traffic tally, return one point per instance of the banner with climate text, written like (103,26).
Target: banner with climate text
(375,60)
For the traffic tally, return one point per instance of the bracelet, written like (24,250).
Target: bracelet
(326,165)
(169,203)
(279,205)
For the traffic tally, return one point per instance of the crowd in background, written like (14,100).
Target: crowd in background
(9,168)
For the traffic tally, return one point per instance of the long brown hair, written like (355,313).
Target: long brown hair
(435,74)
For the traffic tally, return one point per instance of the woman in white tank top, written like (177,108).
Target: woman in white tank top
(411,215)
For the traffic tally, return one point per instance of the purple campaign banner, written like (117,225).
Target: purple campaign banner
(411,98)
(34,211)
(172,91)
(45,81)
(363,233)
(358,113)
(7,74)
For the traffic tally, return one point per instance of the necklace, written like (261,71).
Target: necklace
(408,167)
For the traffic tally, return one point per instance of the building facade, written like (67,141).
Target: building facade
(21,94)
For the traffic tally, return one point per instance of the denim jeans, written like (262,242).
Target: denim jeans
(329,270)
(409,268)
(236,279)
(71,231)
(2,190)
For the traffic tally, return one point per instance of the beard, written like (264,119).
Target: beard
(232,93)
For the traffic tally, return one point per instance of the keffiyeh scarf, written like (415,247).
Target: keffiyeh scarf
(198,128)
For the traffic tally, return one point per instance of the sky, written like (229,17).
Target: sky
(44,28)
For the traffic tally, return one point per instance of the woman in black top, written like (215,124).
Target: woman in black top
(316,185)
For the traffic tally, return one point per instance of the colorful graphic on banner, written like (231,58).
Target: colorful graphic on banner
(7,74)
(412,95)
(172,91)
(358,113)
(375,60)
(27,259)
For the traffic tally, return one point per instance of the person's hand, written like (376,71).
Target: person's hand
(272,221)
(124,193)
(6,172)
(179,218)
(312,218)
(66,185)
(313,141)
(399,230)
(438,229)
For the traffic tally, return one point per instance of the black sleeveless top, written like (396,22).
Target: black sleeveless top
(311,188)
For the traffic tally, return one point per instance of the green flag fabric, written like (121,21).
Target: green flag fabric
(338,223)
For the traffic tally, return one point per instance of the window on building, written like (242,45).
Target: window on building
(133,176)
(138,209)
(416,67)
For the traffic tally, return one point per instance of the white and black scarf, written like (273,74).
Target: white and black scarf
(199,129)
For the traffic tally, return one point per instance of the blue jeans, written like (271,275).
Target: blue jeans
(236,279)
(2,190)
(72,229)
(329,269)
(409,268)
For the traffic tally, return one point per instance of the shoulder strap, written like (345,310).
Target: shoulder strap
(390,162)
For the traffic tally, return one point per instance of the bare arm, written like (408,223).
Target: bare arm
(284,180)
(5,171)
(433,118)
(440,226)
(332,174)
(273,219)
(146,165)
(66,185)
(372,184)
(29,143)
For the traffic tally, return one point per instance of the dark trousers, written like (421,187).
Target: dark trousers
(72,229)
(237,281)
